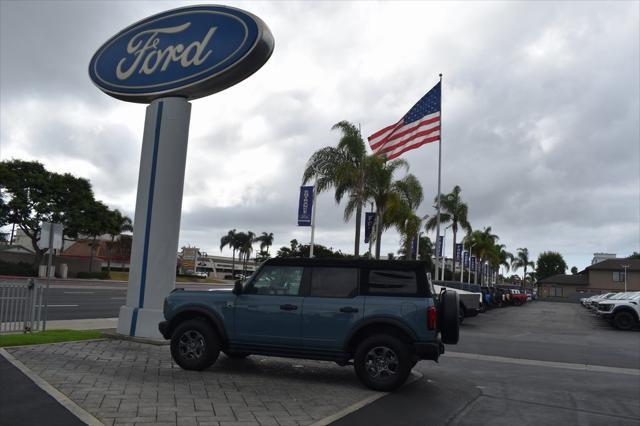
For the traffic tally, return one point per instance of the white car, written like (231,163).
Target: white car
(623,311)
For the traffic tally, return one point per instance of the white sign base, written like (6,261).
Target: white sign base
(152,273)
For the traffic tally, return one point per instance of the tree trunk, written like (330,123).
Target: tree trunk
(453,266)
(356,249)
(233,263)
(378,233)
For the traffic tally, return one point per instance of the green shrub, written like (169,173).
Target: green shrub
(22,269)
(103,275)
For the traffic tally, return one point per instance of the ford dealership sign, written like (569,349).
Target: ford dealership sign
(189,52)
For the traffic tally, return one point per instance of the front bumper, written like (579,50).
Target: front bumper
(164,329)
(471,312)
(430,351)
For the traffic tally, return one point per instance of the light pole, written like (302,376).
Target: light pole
(420,233)
(625,276)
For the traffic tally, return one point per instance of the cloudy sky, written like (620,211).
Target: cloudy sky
(540,114)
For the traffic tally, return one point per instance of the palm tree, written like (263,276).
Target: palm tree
(404,201)
(521,260)
(342,168)
(381,188)
(230,240)
(498,257)
(117,225)
(245,247)
(265,240)
(454,210)
(483,243)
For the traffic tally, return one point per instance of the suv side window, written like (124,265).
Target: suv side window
(392,282)
(277,280)
(333,282)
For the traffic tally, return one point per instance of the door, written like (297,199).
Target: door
(269,310)
(331,308)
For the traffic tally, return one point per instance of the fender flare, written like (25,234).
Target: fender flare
(214,317)
(381,320)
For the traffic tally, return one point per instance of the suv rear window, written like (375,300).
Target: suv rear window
(333,282)
(392,282)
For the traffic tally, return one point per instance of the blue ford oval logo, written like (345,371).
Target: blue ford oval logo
(190,52)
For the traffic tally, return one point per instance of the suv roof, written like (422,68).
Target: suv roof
(354,263)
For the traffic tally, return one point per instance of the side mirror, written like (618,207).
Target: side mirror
(237,287)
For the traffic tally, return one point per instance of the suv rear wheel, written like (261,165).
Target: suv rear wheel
(624,320)
(194,344)
(382,362)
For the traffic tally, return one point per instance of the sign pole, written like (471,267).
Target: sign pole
(46,293)
(157,216)
(313,220)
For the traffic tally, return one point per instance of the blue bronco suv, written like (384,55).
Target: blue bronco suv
(382,316)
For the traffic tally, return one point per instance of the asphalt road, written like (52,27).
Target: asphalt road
(522,366)
(77,299)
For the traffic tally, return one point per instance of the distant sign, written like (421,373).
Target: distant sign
(45,234)
(458,252)
(439,244)
(305,206)
(466,259)
(189,52)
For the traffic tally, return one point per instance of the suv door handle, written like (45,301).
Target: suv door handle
(288,307)
(349,310)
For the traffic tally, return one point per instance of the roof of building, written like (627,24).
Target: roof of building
(562,279)
(615,265)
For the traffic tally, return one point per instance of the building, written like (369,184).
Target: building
(599,257)
(608,275)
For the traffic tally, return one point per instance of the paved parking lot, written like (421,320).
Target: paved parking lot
(122,382)
(539,364)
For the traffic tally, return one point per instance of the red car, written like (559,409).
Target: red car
(518,297)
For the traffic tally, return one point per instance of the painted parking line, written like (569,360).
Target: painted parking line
(550,364)
(79,292)
(117,298)
(59,306)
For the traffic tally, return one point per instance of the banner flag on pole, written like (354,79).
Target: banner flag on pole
(420,126)
(458,252)
(439,244)
(466,259)
(305,206)
(473,263)
(369,221)
(414,248)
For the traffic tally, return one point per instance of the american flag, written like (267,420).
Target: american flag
(419,126)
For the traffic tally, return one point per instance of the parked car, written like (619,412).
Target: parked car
(622,312)
(201,274)
(518,298)
(470,302)
(383,315)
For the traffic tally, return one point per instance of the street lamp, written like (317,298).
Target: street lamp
(625,276)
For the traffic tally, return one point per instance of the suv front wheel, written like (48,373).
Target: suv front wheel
(382,362)
(194,344)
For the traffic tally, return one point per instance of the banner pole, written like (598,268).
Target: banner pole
(438,197)
(313,220)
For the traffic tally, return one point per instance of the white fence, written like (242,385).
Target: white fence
(21,306)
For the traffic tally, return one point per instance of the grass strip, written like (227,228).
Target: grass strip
(49,336)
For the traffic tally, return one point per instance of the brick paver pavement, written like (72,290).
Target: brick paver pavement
(126,383)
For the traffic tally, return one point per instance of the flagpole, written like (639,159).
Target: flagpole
(438,197)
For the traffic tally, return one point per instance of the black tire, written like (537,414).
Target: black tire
(624,320)
(382,362)
(448,317)
(195,345)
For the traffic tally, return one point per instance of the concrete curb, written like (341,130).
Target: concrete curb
(113,334)
(61,398)
(415,376)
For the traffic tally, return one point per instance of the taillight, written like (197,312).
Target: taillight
(432,318)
